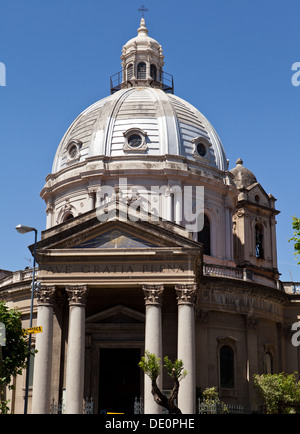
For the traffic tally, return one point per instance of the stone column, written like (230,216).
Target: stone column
(153,340)
(186,296)
(76,349)
(43,358)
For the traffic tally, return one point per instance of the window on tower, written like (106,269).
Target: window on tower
(141,71)
(259,237)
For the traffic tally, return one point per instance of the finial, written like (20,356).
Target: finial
(143,29)
(239,161)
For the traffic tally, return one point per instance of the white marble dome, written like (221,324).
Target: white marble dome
(168,124)
(141,136)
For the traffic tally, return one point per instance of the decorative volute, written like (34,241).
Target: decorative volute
(142,60)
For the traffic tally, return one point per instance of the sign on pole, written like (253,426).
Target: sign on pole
(33,330)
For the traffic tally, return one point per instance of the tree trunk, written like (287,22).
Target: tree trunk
(162,400)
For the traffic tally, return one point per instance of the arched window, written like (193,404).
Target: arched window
(153,72)
(268,363)
(204,236)
(226,367)
(130,71)
(259,238)
(68,216)
(141,71)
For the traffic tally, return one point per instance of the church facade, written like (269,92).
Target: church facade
(151,243)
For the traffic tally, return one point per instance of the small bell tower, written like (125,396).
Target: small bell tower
(254,226)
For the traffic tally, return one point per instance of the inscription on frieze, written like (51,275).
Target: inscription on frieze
(104,268)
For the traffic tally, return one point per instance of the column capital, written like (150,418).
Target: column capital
(76,294)
(45,295)
(186,293)
(153,294)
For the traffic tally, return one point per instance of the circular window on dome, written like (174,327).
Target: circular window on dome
(201,149)
(73,150)
(135,140)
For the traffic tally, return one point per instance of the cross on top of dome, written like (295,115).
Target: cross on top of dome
(143,9)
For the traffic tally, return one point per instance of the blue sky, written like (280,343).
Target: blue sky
(231,59)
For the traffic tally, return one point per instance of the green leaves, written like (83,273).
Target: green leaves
(151,365)
(175,369)
(14,354)
(280,393)
(296,236)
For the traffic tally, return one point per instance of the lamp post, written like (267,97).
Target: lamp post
(23,230)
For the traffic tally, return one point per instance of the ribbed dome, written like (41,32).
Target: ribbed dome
(243,177)
(169,124)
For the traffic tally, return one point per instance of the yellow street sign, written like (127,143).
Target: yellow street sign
(33,330)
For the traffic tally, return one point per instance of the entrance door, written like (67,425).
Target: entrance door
(119,379)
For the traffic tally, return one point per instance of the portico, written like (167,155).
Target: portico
(103,298)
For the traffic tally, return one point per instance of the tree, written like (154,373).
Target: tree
(151,366)
(210,399)
(14,352)
(296,236)
(279,393)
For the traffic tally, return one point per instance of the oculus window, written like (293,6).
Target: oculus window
(73,151)
(135,141)
(201,148)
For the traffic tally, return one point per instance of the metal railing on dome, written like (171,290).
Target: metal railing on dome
(165,80)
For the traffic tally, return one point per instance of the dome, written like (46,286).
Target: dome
(142,116)
(143,137)
(243,177)
(167,124)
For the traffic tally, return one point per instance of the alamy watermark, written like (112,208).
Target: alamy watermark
(296,335)
(2,334)
(296,75)
(184,205)
(2,74)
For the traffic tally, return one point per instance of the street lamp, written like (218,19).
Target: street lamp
(22,229)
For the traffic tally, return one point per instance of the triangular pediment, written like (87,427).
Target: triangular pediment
(258,195)
(87,231)
(115,239)
(117,315)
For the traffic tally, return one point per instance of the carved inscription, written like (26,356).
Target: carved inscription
(116,268)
